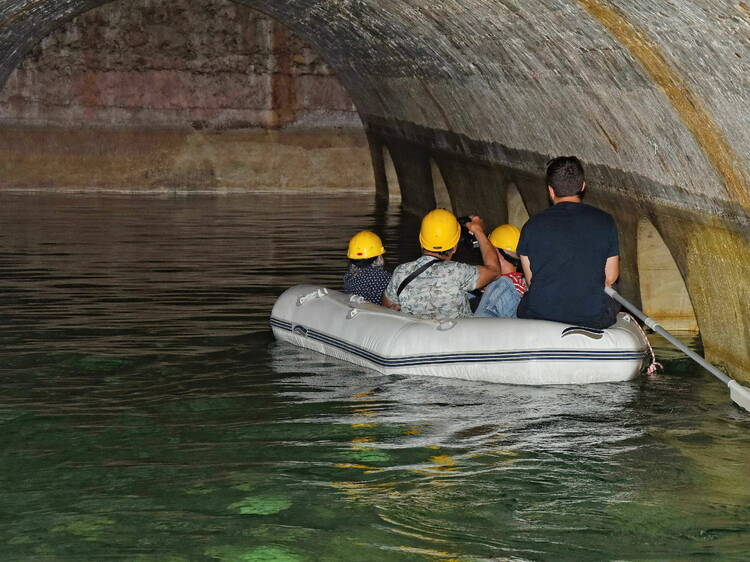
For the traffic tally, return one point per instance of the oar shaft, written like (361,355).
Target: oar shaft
(656,327)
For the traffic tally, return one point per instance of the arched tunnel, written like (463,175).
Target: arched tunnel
(653,98)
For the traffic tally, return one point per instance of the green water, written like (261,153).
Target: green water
(148,415)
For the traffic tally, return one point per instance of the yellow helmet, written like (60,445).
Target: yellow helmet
(505,237)
(365,245)
(440,231)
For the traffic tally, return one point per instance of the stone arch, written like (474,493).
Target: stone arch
(518,214)
(442,196)
(664,295)
(391,177)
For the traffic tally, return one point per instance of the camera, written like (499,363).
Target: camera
(467,240)
(467,249)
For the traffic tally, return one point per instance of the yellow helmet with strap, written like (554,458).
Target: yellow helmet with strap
(505,237)
(440,231)
(365,245)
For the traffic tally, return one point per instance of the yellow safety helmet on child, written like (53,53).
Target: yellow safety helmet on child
(505,237)
(440,231)
(365,245)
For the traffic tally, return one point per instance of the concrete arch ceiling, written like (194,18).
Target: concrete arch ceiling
(655,90)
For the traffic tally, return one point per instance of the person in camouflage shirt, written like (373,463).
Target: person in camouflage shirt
(439,291)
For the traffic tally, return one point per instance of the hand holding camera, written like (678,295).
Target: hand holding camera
(469,226)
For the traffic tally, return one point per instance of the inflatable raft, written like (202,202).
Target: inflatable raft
(501,350)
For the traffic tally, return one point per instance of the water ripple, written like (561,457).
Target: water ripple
(147,413)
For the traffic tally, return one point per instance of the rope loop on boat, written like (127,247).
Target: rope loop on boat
(654,366)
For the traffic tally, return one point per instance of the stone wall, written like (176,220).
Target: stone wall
(141,160)
(205,64)
(192,95)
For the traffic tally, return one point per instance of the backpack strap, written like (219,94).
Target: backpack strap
(416,273)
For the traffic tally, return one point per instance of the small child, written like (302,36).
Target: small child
(366,276)
(501,297)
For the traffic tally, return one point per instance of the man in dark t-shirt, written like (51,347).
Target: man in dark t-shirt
(569,252)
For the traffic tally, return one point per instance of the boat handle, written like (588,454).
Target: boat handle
(316,294)
(356,299)
(352,313)
(446,325)
(300,331)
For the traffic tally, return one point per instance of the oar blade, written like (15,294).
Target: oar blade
(740,394)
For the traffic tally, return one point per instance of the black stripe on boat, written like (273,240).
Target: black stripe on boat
(467,357)
(582,330)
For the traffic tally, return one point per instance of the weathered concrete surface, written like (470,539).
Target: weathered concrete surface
(151,95)
(142,160)
(209,64)
(653,96)
(663,291)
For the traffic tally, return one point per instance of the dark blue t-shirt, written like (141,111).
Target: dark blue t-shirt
(568,246)
(369,282)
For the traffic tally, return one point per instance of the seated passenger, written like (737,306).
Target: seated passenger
(433,286)
(569,253)
(501,297)
(366,276)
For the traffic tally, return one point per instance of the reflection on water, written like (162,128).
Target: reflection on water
(148,415)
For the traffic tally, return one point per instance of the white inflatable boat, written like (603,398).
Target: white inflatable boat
(502,350)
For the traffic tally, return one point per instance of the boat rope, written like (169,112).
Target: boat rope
(655,365)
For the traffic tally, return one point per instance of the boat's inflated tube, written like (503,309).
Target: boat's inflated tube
(503,350)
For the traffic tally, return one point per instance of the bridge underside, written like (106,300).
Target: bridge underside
(654,101)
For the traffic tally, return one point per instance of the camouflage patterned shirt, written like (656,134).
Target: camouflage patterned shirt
(439,292)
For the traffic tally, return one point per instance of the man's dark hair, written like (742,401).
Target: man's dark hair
(565,175)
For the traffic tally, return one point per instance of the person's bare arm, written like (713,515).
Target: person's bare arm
(526,266)
(611,270)
(388,304)
(491,268)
